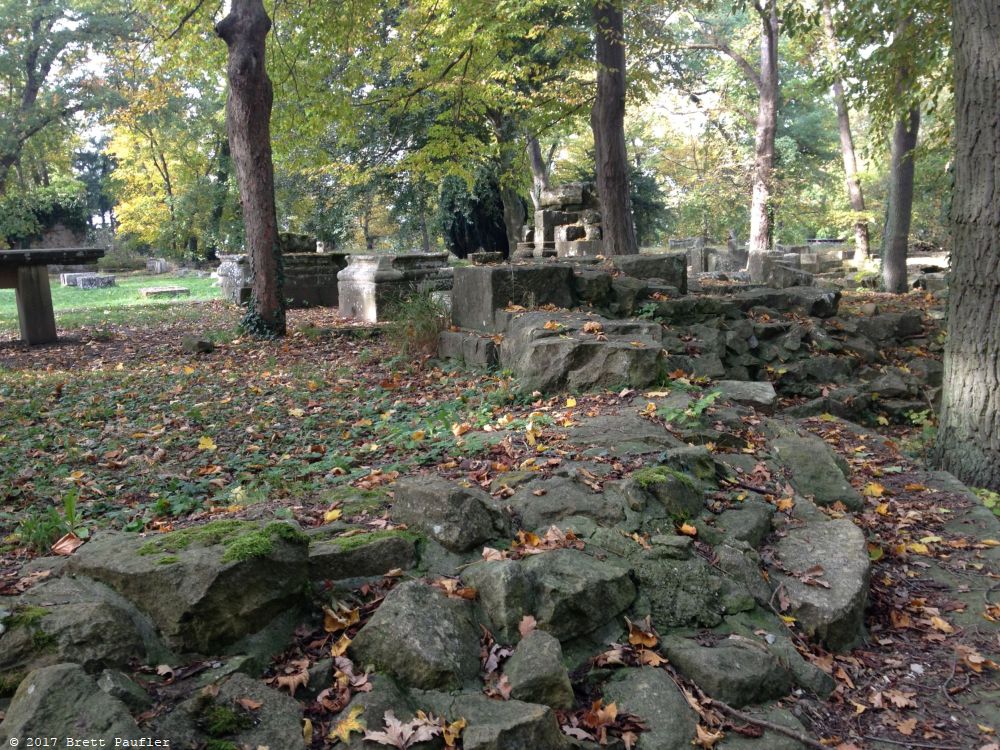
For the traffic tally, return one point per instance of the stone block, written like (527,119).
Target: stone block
(670,266)
(372,285)
(573,194)
(95,281)
(311,279)
(578,248)
(158,292)
(570,232)
(158,266)
(71,279)
(470,348)
(481,291)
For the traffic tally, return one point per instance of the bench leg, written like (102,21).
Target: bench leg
(34,305)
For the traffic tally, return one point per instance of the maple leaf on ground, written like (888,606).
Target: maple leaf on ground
(348,725)
(404,735)
(642,633)
(294,676)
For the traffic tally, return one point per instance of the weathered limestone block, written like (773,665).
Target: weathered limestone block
(371,285)
(481,291)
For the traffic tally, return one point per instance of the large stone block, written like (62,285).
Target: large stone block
(578,248)
(480,291)
(95,281)
(670,266)
(311,279)
(372,285)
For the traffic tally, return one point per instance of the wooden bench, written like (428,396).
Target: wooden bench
(26,271)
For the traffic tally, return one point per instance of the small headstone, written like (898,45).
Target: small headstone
(95,281)
(71,279)
(484,258)
(157,266)
(150,292)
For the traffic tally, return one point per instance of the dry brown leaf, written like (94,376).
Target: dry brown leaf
(527,624)
(249,703)
(706,738)
(67,544)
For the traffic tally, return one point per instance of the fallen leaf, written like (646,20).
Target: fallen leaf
(687,529)
(347,726)
(939,623)
(249,703)
(206,444)
(67,544)
(341,618)
(527,624)
(907,727)
(706,738)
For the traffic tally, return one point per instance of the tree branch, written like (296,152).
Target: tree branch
(720,46)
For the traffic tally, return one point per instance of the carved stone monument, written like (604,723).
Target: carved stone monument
(372,284)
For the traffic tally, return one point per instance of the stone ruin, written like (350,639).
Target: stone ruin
(310,276)
(579,323)
(567,224)
(371,285)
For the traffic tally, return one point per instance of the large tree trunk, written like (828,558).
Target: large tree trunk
(539,171)
(862,249)
(767,124)
(969,434)
(607,120)
(248,115)
(899,211)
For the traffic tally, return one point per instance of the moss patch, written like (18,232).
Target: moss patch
(651,475)
(168,560)
(9,682)
(242,539)
(25,616)
(348,543)
(220,721)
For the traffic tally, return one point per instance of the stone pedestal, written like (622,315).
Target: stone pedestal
(234,278)
(482,291)
(372,285)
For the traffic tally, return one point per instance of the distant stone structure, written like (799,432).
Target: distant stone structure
(310,276)
(372,284)
(567,224)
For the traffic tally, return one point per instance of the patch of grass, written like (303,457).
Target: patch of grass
(119,304)
(416,323)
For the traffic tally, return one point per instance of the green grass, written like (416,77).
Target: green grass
(77,308)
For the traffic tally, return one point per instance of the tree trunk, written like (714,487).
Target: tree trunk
(862,249)
(539,171)
(248,115)
(767,124)
(969,433)
(607,120)
(514,216)
(900,206)
(222,167)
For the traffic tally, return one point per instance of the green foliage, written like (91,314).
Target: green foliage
(691,415)
(24,216)
(242,539)
(39,530)
(416,323)
(991,499)
(471,216)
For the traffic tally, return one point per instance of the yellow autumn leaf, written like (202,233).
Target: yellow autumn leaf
(451,732)
(346,727)
(570,402)
(340,647)
(418,435)
(687,529)
(882,509)
(939,623)
(786,503)
(206,444)
(460,429)
(918,548)
(874,489)
(332,515)
(307,731)
(188,369)
(296,412)
(788,619)
(650,408)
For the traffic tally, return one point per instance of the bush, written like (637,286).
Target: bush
(416,323)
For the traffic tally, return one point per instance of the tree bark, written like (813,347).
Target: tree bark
(767,124)
(862,249)
(248,115)
(539,171)
(607,120)
(969,434)
(899,211)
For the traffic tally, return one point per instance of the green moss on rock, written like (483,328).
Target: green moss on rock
(360,540)
(242,539)
(9,682)
(220,721)
(651,475)
(25,616)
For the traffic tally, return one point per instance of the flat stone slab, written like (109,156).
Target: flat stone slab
(95,281)
(151,292)
(834,552)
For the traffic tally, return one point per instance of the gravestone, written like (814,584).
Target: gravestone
(371,285)
(481,291)
(94,281)
(310,278)
(70,279)
(152,292)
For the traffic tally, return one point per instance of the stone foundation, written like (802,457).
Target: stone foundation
(371,285)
